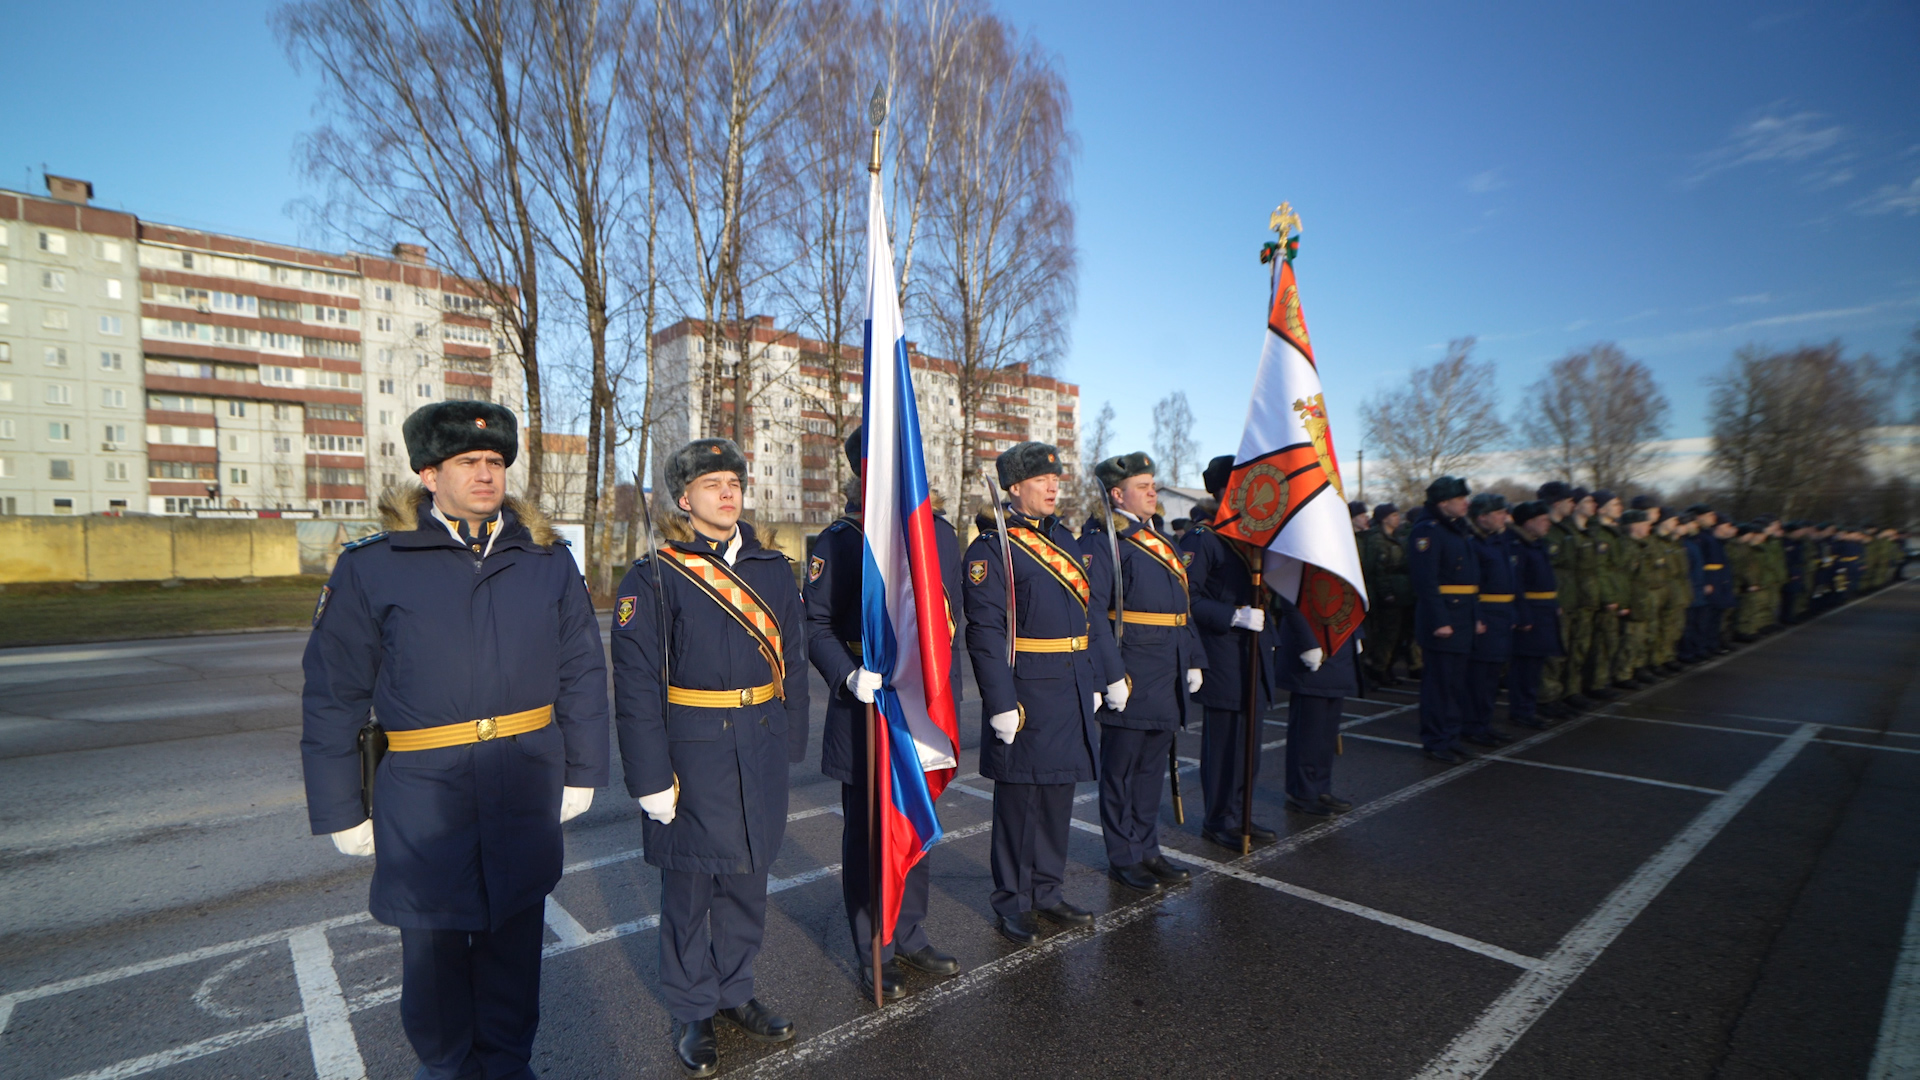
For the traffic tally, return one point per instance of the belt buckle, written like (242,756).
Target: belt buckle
(746,698)
(485,729)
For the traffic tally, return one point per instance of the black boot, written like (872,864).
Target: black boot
(761,1023)
(695,1047)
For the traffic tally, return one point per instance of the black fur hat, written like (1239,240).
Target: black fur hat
(853,448)
(1603,496)
(1381,512)
(697,459)
(1219,470)
(1446,487)
(1355,508)
(1485,503)
(1643,502)
(1527,511)
(1024,461)
(1632,516)
(1119,469)
(438,431)
(1554,491)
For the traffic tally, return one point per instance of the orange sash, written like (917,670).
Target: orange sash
(1156,545)
(714,577)
(1064,567)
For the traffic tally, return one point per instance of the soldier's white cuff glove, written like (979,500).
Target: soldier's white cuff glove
(1005,725)
(1194,678)
(862,684)
(1117,696)
(1250,618)
(1361,646)
(357,840)
(1312,658)
(659,806)
(574,802)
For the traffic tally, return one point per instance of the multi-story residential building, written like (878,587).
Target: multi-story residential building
(802,403)
(153,368)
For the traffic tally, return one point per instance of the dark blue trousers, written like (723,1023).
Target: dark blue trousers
(1223,767)
(1483,695)
(1443,698)
(1702,636)
(711,928)
(1313,727)
(1523,687)
(1133,769)
(470,1000)
(856,888)
(1031,823)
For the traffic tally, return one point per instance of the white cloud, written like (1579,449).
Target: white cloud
(1893,199)
(1771,138)
(1486,182)
(1752,298)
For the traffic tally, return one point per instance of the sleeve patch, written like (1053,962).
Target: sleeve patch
(1186,558)
(623,611)
(1086,561)
(1422,543)
(977,571)
(815,567)
(320,606)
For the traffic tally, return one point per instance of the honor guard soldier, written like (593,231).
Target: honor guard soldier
(832,602)
(710,698)
(1500,610)
(1318,687)
(468,631)
(1227,610)
(1446,586)
(1164,661)
(1041,710)
(1537,637)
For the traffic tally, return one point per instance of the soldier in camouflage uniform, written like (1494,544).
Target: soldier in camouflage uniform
(1580,586)
(1557,497)
(1613,569)
(1749,582)
(1383,563)
(1679,590)
(1646,595)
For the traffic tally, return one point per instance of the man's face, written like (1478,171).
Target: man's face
(1708,519)
(470,486)
(713,501)
(1639,529)
(1392,523)
(1361,522)
(1653,514)
(1611,511)
(1036,496)
(1560,509)
(1584,508)
(1724,530)
(1492,521)
(1665,527)
(1135,495)
(1537,526)
(1455,507)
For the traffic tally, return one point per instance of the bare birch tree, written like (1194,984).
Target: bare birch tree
(1173,441)
(1593,418)
(1790,429)
(1442,422)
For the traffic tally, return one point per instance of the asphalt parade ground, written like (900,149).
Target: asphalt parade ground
(1714,877)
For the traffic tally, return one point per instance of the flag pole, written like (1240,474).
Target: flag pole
(876,826)
(1253,715)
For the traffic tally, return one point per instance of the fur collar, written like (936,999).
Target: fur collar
(401,507)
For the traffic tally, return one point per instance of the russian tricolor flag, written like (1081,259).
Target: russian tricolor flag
(905,631)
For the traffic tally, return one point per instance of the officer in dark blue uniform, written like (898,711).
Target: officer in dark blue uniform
(1227,612)
(1537,637)
(1039,714)
(832,602)
(1160,649)
(707,729)
(1501,608)
(1446,586)
(1318,688)
(467,628)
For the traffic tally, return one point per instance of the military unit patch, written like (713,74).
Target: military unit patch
(320,607)
(1422,543)
(623,612)
(1186,558)
(977,571)
(815,567)
(1086,561)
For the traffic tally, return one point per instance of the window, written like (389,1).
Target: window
(59,394)
(239,444)
(282,444)
(6,390)
(284,376)
(356,477)
(59,431)
(469,393)
(338,350)
(108,250)
(53,280)
(63,506)
(421,299)
(111,361)
(180,470)
(386,416)
(116,470)
(236,408)
(110,325)
(236,303)
(184,504)
(6,314)
(55,355)
(3,273)
(383,323)
(115,433)
(336,444)
(349,413)
(60,469)
(283,412)
(6,429)
(386,356)
(111,287)
(386,387)
(113,398)
(279,309)
(236,476)
(53,319)
(423,390)
(386,450)
(6,470)
(6,352)
(53,243)
(383,292)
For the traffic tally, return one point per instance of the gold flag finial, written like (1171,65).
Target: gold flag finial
(1284,221)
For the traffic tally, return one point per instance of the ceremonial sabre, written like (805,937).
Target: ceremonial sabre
(1006,561)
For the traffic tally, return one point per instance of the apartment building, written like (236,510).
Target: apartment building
(801,404)
(158,369)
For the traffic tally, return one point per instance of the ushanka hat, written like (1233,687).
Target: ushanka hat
(1446,487)
(1024,461)
(443,429)
(1218,472)
(1117,470)
(700,457)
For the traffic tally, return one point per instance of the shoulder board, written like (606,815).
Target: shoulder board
(353,545)
(838,523)
(563,541)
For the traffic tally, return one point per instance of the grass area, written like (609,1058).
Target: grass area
(61,614)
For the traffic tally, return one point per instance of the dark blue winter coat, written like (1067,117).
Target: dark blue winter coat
(1440,551)
(1540,591)
(731,763)
(1056,689)
(1155,658)
(425,632)
(1716,571)
(832,595)
(1339,675)
(1499,576)
(1218,582)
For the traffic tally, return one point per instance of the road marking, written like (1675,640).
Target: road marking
(1702,727)
(1508,760)
(175,1055)
(1770,734)
(1476,1050)
(1898,1052)
(1870,746)
(336,1054)
(564,925)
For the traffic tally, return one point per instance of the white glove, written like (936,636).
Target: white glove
(1099,702)
(1312,658)
(1194,678)
(1117,696)
(574,802)
(1250,618)
(862,683)
(1005,725)
(1361,646)
(659,806)
(357,840)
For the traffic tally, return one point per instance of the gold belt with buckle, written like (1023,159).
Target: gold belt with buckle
(471,731)
(1543,595)
(1049,644)
(722,699)
(1496,598)
(1459,590)
(1155,618)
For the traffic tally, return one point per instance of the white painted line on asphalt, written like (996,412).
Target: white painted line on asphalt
(172,1056)
(336,1054)
(1612,775)
(564,925)
(802,815)
(1871,746)
(1897,1054)
(1478,1049)
(1822,738)
(1702,727)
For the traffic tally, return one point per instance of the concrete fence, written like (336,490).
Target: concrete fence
(148,548)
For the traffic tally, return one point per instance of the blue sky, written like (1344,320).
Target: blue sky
(1682,178)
